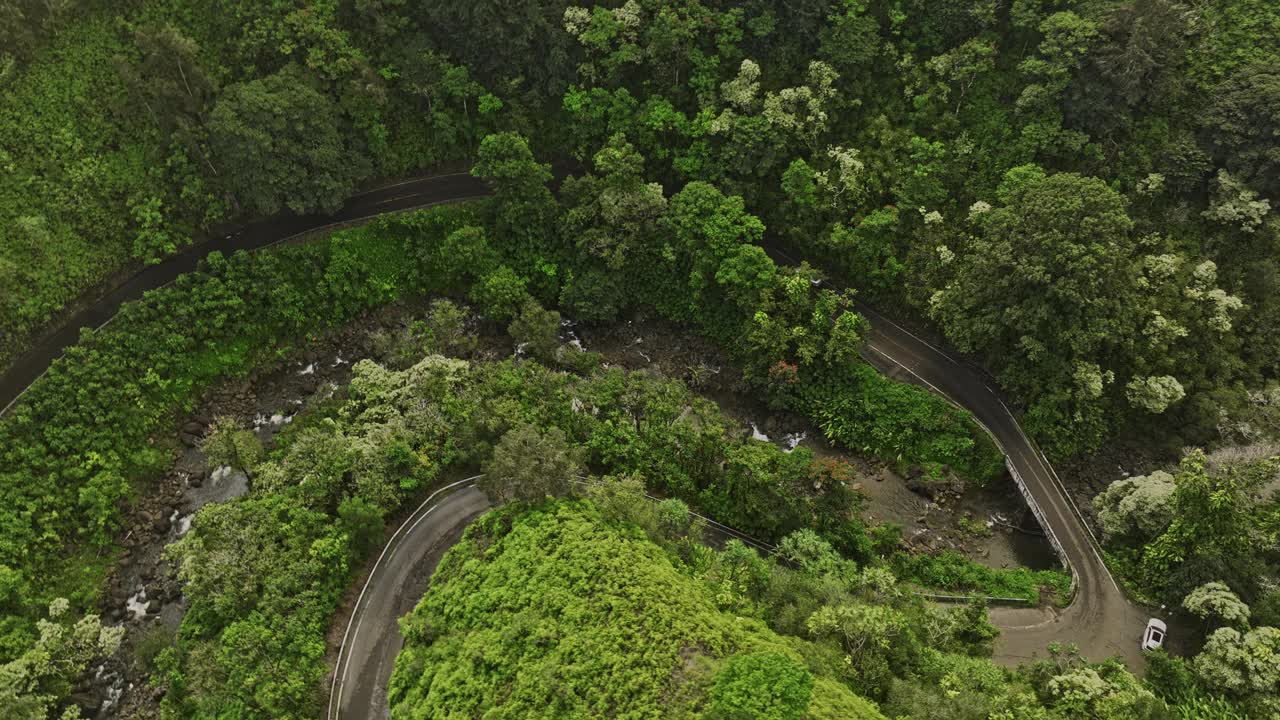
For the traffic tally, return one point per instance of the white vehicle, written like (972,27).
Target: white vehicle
(1153,638)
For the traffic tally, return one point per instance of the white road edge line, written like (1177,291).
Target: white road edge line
(428,178)
(340,668)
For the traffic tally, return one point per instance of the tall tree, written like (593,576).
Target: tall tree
(280,142)
(1243,125)
(523,206)
(613,214)
(1046,290)
(530,465)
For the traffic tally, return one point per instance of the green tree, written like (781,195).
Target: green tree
(228,444)
(621,499)
(867,251)
(501,293)
(170,80)
(747,275)
(530,465)
(447,330)
(279,142)
(614,213)
(524,208)
(1047,289)
(362,522)
(850,42)
(537,330)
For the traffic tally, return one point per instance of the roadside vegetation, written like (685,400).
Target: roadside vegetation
(1080,193)
(1202,538)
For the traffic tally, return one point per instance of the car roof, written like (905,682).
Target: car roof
(1157,624)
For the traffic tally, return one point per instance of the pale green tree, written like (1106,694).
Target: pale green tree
(1236,204)
(804,111)
(1215,602)
(1154,394)
(1086,692)
(35,684)
(1245,665)
(1137,507)
(530,465)
(872,637)
(622,499)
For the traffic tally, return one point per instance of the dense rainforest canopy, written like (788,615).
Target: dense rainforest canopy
(1077,194)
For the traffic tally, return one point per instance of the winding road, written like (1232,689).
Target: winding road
(1100,620)
(398,579)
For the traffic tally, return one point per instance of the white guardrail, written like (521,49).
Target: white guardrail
(1037,512)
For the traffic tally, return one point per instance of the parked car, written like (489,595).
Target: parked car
(1153,638)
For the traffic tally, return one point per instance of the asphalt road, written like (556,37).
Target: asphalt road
(399,578)
(1100,620)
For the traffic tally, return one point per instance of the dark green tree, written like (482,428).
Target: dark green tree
(279,142)
(530,465)
(1243,125)
(1047,291)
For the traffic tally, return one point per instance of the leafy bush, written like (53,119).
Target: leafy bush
(770,686)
